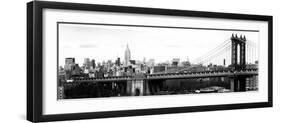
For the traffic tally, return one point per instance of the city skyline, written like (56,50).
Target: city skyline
(155,61)
(95,44)
(124,60)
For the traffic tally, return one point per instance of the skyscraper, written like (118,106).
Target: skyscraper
(127,56)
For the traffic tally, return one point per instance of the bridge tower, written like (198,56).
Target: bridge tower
(238,42)
(238,62)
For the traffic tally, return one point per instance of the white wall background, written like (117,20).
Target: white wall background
(13,61)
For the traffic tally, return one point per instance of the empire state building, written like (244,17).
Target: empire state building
(127,56)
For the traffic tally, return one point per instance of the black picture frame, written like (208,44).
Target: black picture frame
(34,60)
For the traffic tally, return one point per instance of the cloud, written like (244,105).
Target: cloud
(173,46)
(87,46)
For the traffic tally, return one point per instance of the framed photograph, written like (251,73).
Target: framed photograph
(89,61)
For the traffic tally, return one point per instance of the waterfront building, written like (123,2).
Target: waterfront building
(76,70)
(159,69)
(175,61)
(69,63)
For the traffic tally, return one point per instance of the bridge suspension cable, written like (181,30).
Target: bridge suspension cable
(214,53)
(251,52)
(221,55)
(218,57)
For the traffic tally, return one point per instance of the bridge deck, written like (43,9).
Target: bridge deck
(172,76)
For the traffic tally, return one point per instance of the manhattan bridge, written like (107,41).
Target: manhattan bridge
(237,50)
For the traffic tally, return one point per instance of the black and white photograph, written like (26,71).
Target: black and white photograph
(104,60)
(89,60)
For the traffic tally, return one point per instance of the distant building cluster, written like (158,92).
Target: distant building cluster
(128,67)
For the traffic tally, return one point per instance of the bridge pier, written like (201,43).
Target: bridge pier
(137,87)
(238,84)
(232,82)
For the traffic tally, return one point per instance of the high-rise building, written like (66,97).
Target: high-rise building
(127,56)
(117,62)
(93,63)
(87,63)
(69,63)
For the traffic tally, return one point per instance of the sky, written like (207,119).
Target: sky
(104,42)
